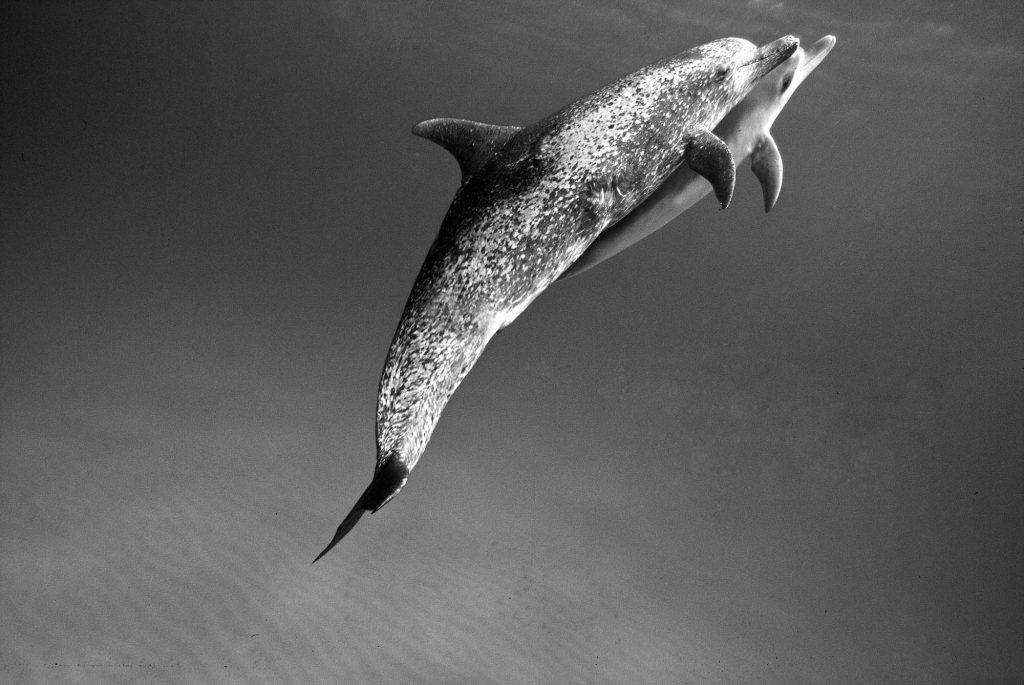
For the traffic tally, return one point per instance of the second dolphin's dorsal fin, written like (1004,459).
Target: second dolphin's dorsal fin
(766,162)
(471,142)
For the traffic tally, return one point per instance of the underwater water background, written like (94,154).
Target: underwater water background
(779,447)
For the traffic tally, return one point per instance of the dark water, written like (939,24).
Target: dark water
(776,448)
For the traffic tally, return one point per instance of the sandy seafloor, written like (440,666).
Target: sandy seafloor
(778,448)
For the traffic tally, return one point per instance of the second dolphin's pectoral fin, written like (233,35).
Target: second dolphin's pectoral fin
(388,479)
(709,156)
(766,162)
(470,142)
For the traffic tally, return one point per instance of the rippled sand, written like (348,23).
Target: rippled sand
(121,570)
(160,527)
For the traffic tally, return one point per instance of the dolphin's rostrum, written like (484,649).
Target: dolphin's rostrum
(532,199)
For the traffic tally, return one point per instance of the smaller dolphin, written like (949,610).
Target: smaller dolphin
(746,129)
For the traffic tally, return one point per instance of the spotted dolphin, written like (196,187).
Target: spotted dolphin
(531,200)
(747,131)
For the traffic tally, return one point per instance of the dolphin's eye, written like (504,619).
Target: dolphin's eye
(786,82)
(721,71)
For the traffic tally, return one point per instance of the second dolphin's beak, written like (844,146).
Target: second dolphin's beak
(773,54)
(812,57)
(817,52)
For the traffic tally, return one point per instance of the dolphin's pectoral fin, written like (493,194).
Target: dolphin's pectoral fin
(388,479)
(471,142)
(766,162)
(709,156)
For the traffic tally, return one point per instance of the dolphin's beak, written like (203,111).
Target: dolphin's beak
(773,54)
(810,59)
(817,52)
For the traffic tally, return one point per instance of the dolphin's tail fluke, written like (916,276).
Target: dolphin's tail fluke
(387,481)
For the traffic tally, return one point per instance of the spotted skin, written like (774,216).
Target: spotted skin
(747,131)
(529,209)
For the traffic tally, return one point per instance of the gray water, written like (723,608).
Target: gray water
(775,448)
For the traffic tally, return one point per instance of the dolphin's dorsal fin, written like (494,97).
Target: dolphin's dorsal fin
(766,162)
(471,142)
